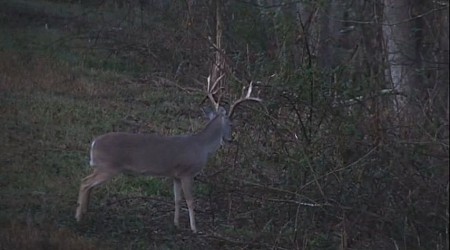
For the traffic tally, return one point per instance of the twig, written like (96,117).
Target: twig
(300,203)
(339,169)
(239,242)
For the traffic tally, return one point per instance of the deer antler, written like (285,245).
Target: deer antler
(247,97)
(212,90)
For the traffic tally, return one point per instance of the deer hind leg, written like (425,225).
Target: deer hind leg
(87,184)
(186,184)
(177,199)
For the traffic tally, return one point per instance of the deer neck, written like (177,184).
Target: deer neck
(211,135)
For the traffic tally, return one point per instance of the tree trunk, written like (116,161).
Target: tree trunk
(400,50)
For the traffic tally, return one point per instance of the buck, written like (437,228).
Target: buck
(179,157)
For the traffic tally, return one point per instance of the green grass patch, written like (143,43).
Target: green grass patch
(76,34)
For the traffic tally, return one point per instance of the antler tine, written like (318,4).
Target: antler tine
(210,94)
(247,97)
(213,90)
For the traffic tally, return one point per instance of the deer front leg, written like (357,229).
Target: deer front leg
(186,184)
(177,198)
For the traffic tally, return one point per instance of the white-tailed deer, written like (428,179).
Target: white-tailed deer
(179,157)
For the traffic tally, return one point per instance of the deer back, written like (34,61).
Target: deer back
(157,155)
